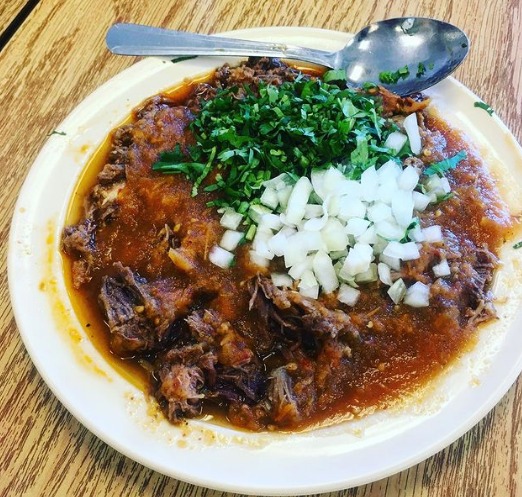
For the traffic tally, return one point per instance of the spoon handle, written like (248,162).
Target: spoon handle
(136,39)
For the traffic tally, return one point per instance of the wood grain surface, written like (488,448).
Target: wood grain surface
(57,58)
(8,12)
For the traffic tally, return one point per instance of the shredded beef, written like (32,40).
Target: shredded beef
(139,314)
(268,357)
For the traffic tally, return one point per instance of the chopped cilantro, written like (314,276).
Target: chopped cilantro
(485,106)
(182,58)
(421,70)
(445,165)
(334,75)
(55,132)
(517,245)
(246,137)
(392,77)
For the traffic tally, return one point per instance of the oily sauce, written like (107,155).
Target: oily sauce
(400,348)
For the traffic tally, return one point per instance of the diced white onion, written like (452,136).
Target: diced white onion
(408,179)
(295,209)
(335,233)
(441,269)
(412,130)
(397,291)
(257,211)
(379,211)
(417,295)
(220,257)
(270,221)
(231,219)
(396,141)
(420,201)
(230,240)
(258,260)
(308,286)
(367,276)
(384,272)
(404,251)
(402,207)
(269,198)
(432,234)
(324,272)
(348,295)
(357,226)
(281,280)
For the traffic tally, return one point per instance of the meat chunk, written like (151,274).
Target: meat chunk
(79,241)
(289,309)
(208,328)
(181,388)
(139,314)
(218,367)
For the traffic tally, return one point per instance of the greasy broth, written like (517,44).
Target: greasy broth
(403,347)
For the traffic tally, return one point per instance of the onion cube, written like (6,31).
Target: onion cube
(357,226)
(417,295)
(308,286)
(231,219)
(295,209)
(432,234)
(258,260)
(367,276)
(324,272)
(278,243)
(270,221)
(404,251)
(269,198)
(220,257)
(384,273)
(396,141)
(397,291)
(369,236)
(379,211)
(230,240)
(369,184)
(335,239)
(420,201)
(281,280)
(389,230)
(313,210)
(296,271)
(357,261)
(389,171)
(283,195)
(402,207)
(441,269)
(348,295)
(350,207)
(408,179)
(412,130)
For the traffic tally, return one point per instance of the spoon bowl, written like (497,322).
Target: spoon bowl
(405,55)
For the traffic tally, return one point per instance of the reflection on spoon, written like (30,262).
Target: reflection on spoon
(405,55)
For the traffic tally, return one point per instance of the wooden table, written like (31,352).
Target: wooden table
(55,56)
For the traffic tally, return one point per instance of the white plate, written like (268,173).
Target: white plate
(203,453)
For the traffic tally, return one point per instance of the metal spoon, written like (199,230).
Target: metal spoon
(429,50)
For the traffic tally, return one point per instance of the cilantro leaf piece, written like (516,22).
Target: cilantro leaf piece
(393,77)
(334,75)
(517,245)
(445,165)
(182,58)
(421,70)
(485,106)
